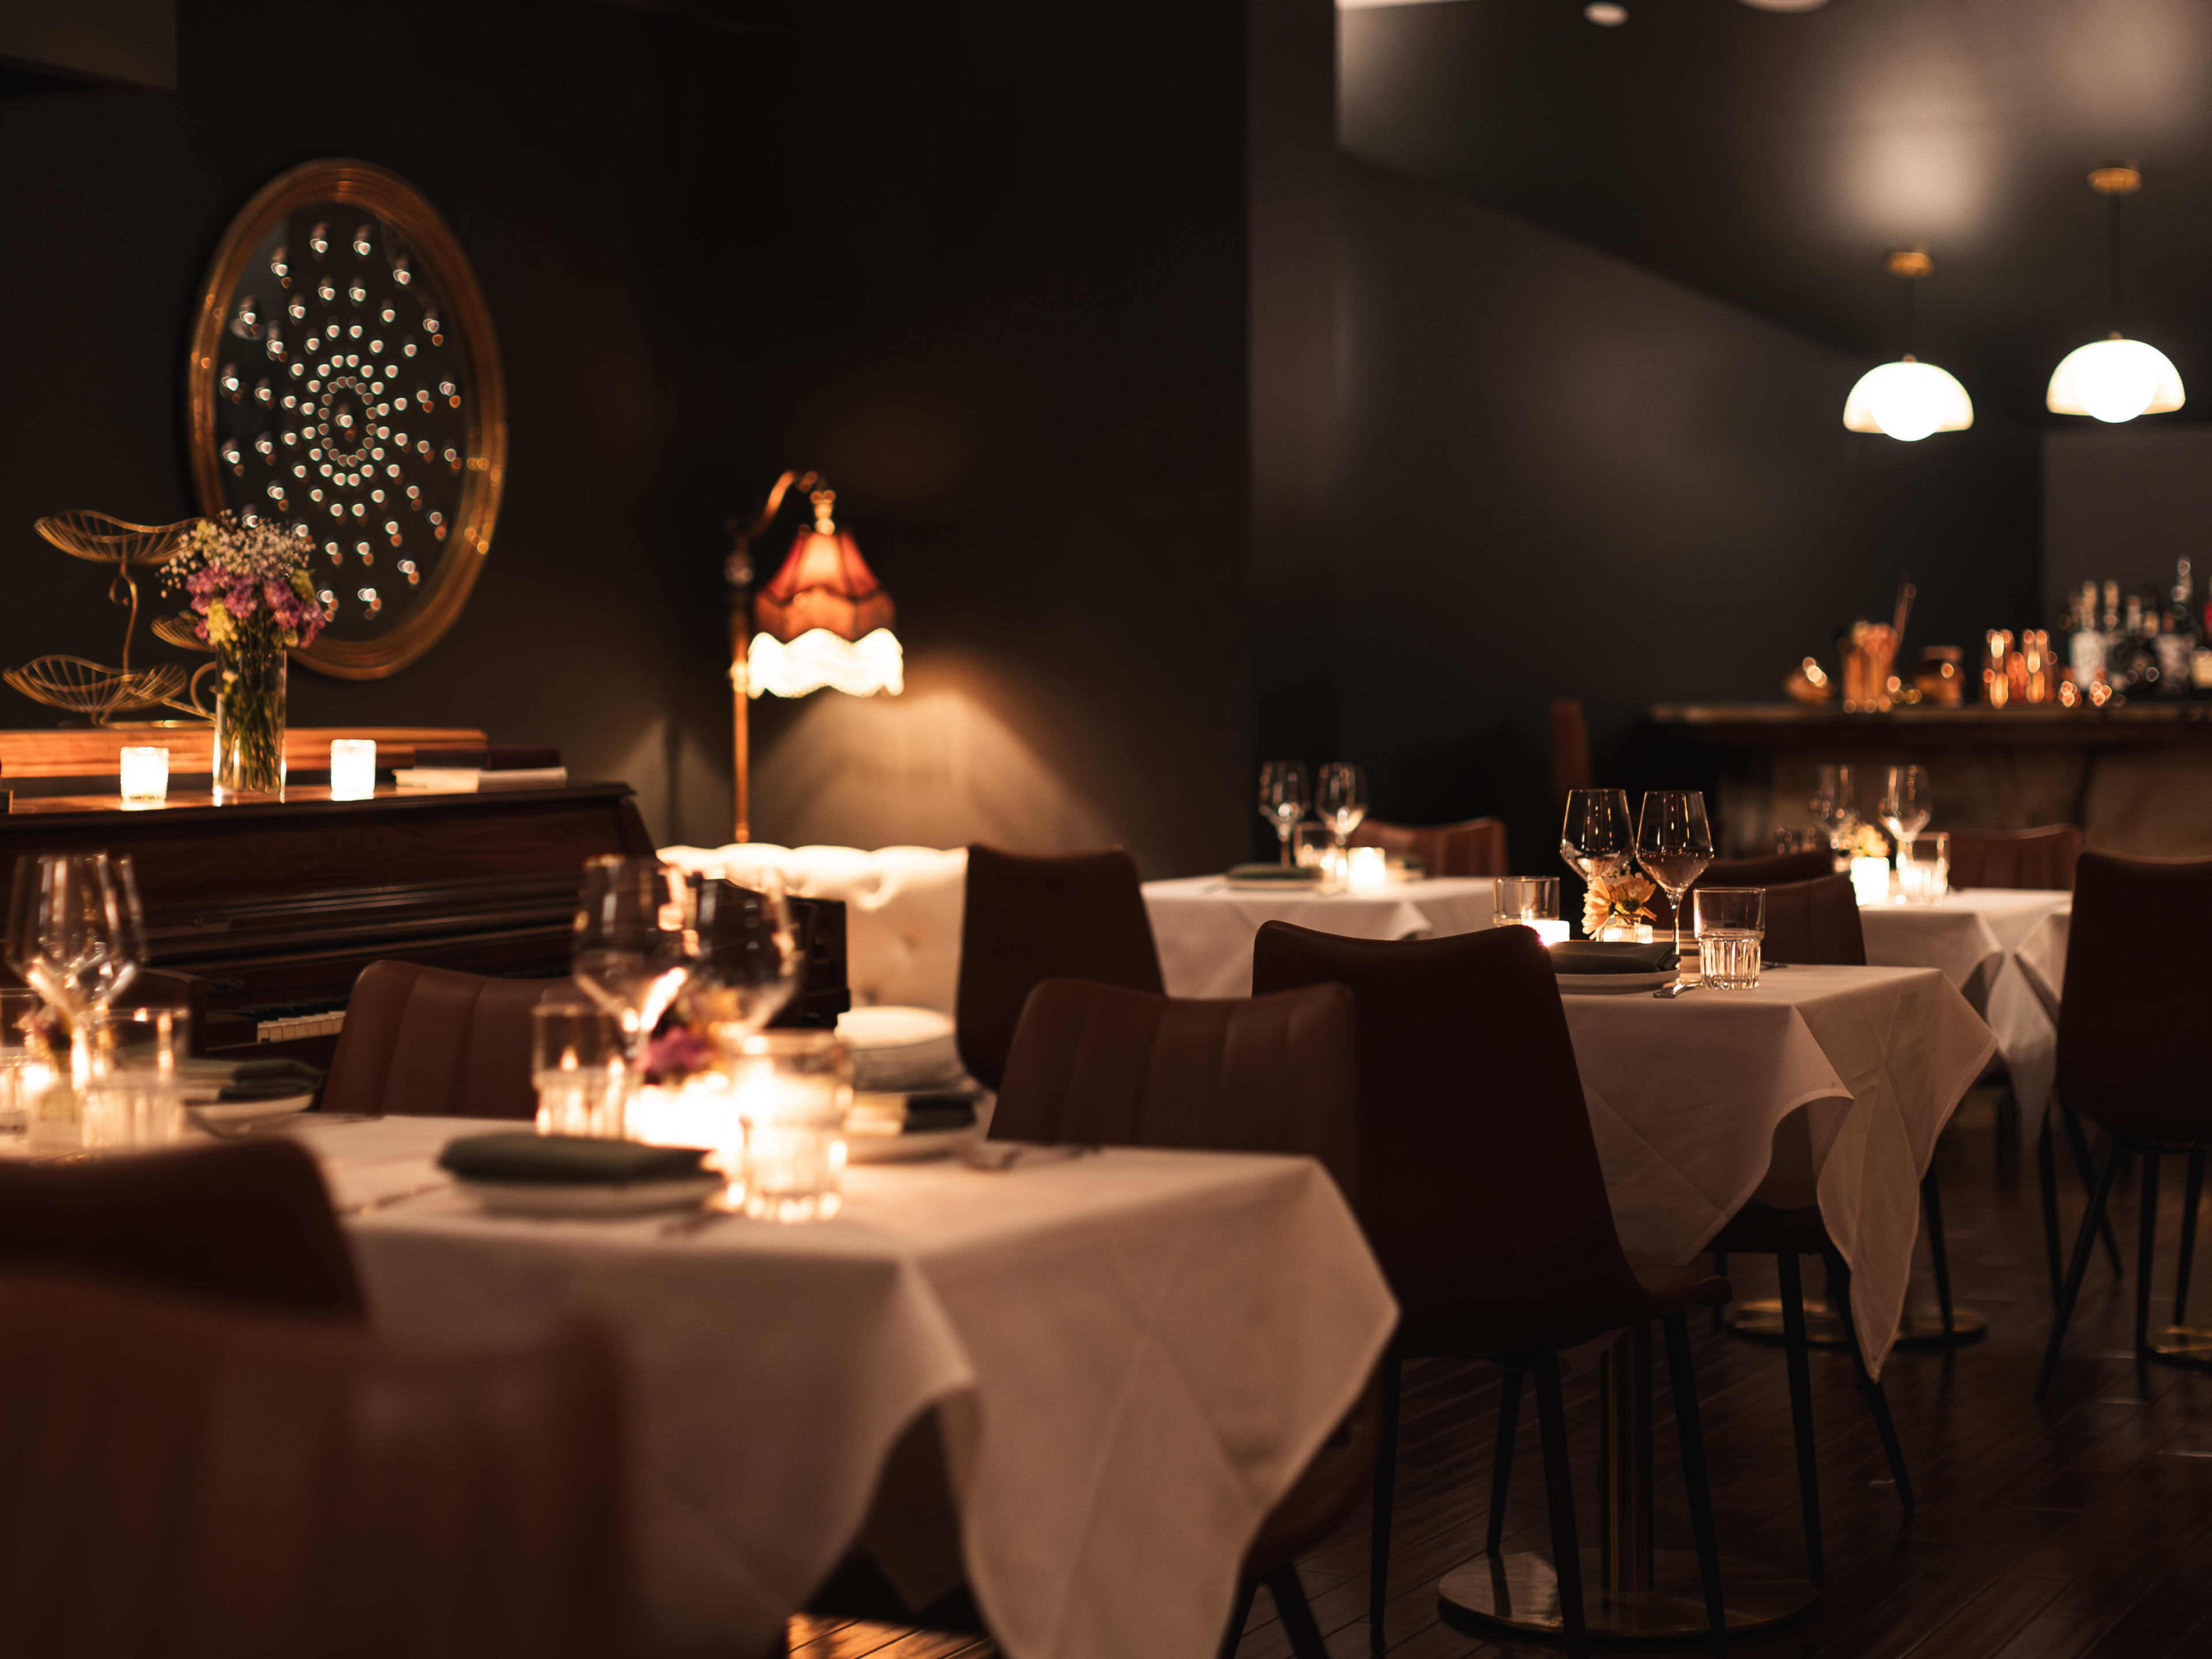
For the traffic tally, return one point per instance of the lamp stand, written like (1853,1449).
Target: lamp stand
(738,571)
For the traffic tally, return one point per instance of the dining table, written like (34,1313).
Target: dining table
(1204,925)
(1129,1358)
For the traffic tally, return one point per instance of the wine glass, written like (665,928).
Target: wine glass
(75,929)
(1283,798)
(1342,800)
(753,964)
(1835,803)
(1673,845)
(637,942)
(1905,804)
(1598,838)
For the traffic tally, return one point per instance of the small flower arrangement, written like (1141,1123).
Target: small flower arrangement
(1616,901)
(1868,842)
(247,580)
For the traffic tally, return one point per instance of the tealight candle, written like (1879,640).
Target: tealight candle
(145,776)
(353,769)
(1550,929)
(1870,880)
(1366,868)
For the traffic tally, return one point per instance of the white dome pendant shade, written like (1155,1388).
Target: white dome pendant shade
(1908,400)
(2115,380)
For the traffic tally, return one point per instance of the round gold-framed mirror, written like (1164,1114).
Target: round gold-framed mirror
(344,376)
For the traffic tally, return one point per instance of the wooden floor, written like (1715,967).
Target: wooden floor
(2080,1529)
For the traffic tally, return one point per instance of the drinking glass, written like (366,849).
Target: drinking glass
(1923,868)
(1904,805)
(636,943)
(75,932)
(753,966)
(18,1055)
(1342,801)
(1311,846)
(1673,845)
(793,1090)
(1527,901)
(1731,924)
(577,1062)
(132,1086)
(1283,798)
(1597,840)
(1835,803)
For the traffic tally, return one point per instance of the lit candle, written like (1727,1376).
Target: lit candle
(1870,880)
(145,776)
(1366,868)
(1550,929)
(353,769)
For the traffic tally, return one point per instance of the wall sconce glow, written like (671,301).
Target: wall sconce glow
(1908,400)
(818,661)
(2114,379)
(1605,14)
(353,769)
(145,776)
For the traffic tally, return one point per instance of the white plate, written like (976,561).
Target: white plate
(241,1114)
(1614,985)
(909,1148)
(590,1198)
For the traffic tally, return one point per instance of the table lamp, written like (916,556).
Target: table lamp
(822,621)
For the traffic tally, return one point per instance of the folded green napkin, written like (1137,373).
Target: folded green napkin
(566,1160)
(927,1113)
(1593,955)
(270,1080)
(1291,875)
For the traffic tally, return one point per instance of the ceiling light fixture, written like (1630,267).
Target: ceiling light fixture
(1908,399)
(1785,5)
(2115,378)
(1605,13)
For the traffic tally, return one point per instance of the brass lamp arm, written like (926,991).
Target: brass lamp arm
(738,570)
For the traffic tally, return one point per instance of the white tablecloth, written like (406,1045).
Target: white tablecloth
(2043,957)
(1133,1356)
(1980,938)
(1204,929)
(1686,1096)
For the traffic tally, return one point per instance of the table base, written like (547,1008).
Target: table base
(1521,1592)
(2182,1345)
(1921,1327)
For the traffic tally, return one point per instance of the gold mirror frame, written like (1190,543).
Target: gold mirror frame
(394,202)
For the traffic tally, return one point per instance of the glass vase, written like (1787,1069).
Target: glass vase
(249,721)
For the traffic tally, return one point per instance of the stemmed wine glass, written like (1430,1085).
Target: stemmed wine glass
(74,930)
(1905,804)
(1283,798)
(637,941)
(1598,838)
(1835,803)
(1673,845)
(753,964)
(1342,801)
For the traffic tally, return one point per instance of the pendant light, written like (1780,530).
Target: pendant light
(2115,378)
(1908,399)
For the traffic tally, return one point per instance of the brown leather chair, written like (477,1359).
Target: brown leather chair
(1476,848)
(246,1222)
(431,1042)
(1481,1193)
(2130,1055)
(1027,920)
(1101,1065)
(1768,870)
(2041,858)
(189,1482)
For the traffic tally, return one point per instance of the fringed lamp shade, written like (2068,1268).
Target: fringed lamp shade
(824,620)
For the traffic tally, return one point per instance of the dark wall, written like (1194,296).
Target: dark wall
(1565,475)
(981,263)
(2123,503)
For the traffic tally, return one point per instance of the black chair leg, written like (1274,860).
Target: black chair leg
(1840,1293)
(2086,1165)
(1931,1202)
(1298,1613)
(2078,1268)
(1238,1619)
(1559,1498)
(1684,1386)
(1795,1352)
(1386,1479)
(2146,1247)
(2047,1175)
(1501,1462)
(2191,1196)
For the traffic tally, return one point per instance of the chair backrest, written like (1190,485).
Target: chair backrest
(1101,1065)
(1571,762)
(193,1482)
(1476,848)
(2129,1051)
(246,1222)
(1815,923)
(431,1042)
(1028,920)
(2041,858)
(1479,1184)
(1768,870)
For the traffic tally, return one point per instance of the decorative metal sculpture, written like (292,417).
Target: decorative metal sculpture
(92,689)
(344,376)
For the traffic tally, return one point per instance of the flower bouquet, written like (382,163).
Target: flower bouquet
(252,593)
(1617,901)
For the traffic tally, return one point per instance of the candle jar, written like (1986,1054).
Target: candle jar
(1870,879)
(353,769)
(145,774)
(1528,902)
(576,1063)
(1923,868)
(793,1090)
(1365,868)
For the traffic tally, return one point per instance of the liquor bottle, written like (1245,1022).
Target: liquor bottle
(2085,644)
(2178,641)
(2133,665)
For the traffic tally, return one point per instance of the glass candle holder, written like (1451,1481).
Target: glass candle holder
(21,1070)
(1923,868)
(145,769)
(1365,868)
(1870,879)
(353,769)
(1311,845)
(576,1062)
(793,1090)
(1528,902)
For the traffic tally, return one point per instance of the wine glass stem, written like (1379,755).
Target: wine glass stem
(1282,835)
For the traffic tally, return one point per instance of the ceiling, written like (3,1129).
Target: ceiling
(1773,159)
